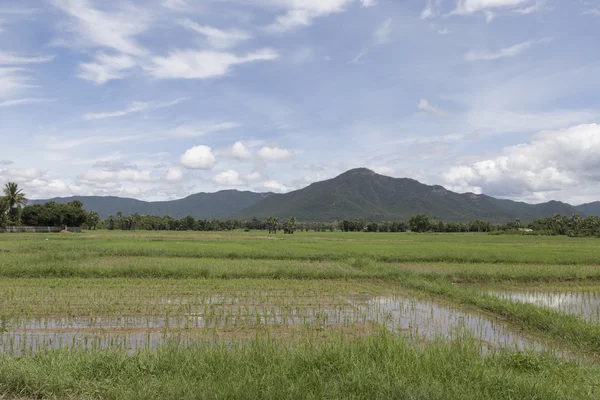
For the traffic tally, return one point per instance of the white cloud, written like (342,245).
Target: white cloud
(229,178)
(239,151)
(19,102)
(426,106)
(198,157)
(473,6)
(302,12)
(196,130)
(234,178)
(133,108)
(221,39)
(537,6)
(383,34)
(253,176)
(274,154)
(18,59)
(20,174)
(368,3)
(553,163)
(192,64)
(89,138)
(13,81)
(177,5)
(383,170)
(511,51)
(275,186)
(114,30)
(110,176)
(106,68)
(174,174)
(431,9)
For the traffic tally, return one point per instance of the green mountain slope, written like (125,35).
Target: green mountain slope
(590,208)
(358,193)
(217,205)
(361,193)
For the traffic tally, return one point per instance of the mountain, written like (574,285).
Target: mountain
(358,193)
(361,193)
(590,208)
(217,205)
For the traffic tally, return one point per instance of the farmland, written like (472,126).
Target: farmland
(107,314)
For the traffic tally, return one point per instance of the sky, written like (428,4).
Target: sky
(160,99)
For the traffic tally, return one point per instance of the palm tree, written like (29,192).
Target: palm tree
(13,198)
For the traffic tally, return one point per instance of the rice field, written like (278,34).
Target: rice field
(310,315)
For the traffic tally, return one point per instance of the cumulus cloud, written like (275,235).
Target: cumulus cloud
(20,174)
(229,178)
(383,170)
(275,186)
(274,154)
(424,105)
(368,3)
(563,161)
(234,178)
(174,174)
(215,37)
(198,157)
(506,52)
(239,151)
(193,64)
(109,176)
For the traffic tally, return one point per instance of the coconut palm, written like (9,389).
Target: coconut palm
(13,196)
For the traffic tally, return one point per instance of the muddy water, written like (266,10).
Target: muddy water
(584,304)
(226,316)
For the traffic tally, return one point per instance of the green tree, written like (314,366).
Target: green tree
(291,225)
(93,219)
(419,223)
(14,198)
(272,224)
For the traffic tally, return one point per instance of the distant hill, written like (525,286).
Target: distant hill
(361,193)
(592,209)
(358,193)
(217,205)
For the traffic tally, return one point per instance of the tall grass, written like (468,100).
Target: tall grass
(380,367)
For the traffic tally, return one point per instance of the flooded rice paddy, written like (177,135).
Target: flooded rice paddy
(581,303)
(185,319)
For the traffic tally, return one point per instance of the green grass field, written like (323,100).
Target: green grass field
(132,315)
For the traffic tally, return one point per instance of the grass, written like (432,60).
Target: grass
(380,367)
(108,315)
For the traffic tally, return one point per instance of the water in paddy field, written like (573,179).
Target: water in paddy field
(225,317)
(584,304)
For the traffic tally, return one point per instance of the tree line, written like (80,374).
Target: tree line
(14,211)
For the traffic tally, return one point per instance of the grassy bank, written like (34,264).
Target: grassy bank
(380,367)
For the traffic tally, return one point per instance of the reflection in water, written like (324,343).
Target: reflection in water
(585,304)
(224,317)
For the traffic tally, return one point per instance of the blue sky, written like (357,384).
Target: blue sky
(158,99)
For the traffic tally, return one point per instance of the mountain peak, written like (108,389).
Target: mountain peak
(359,172)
